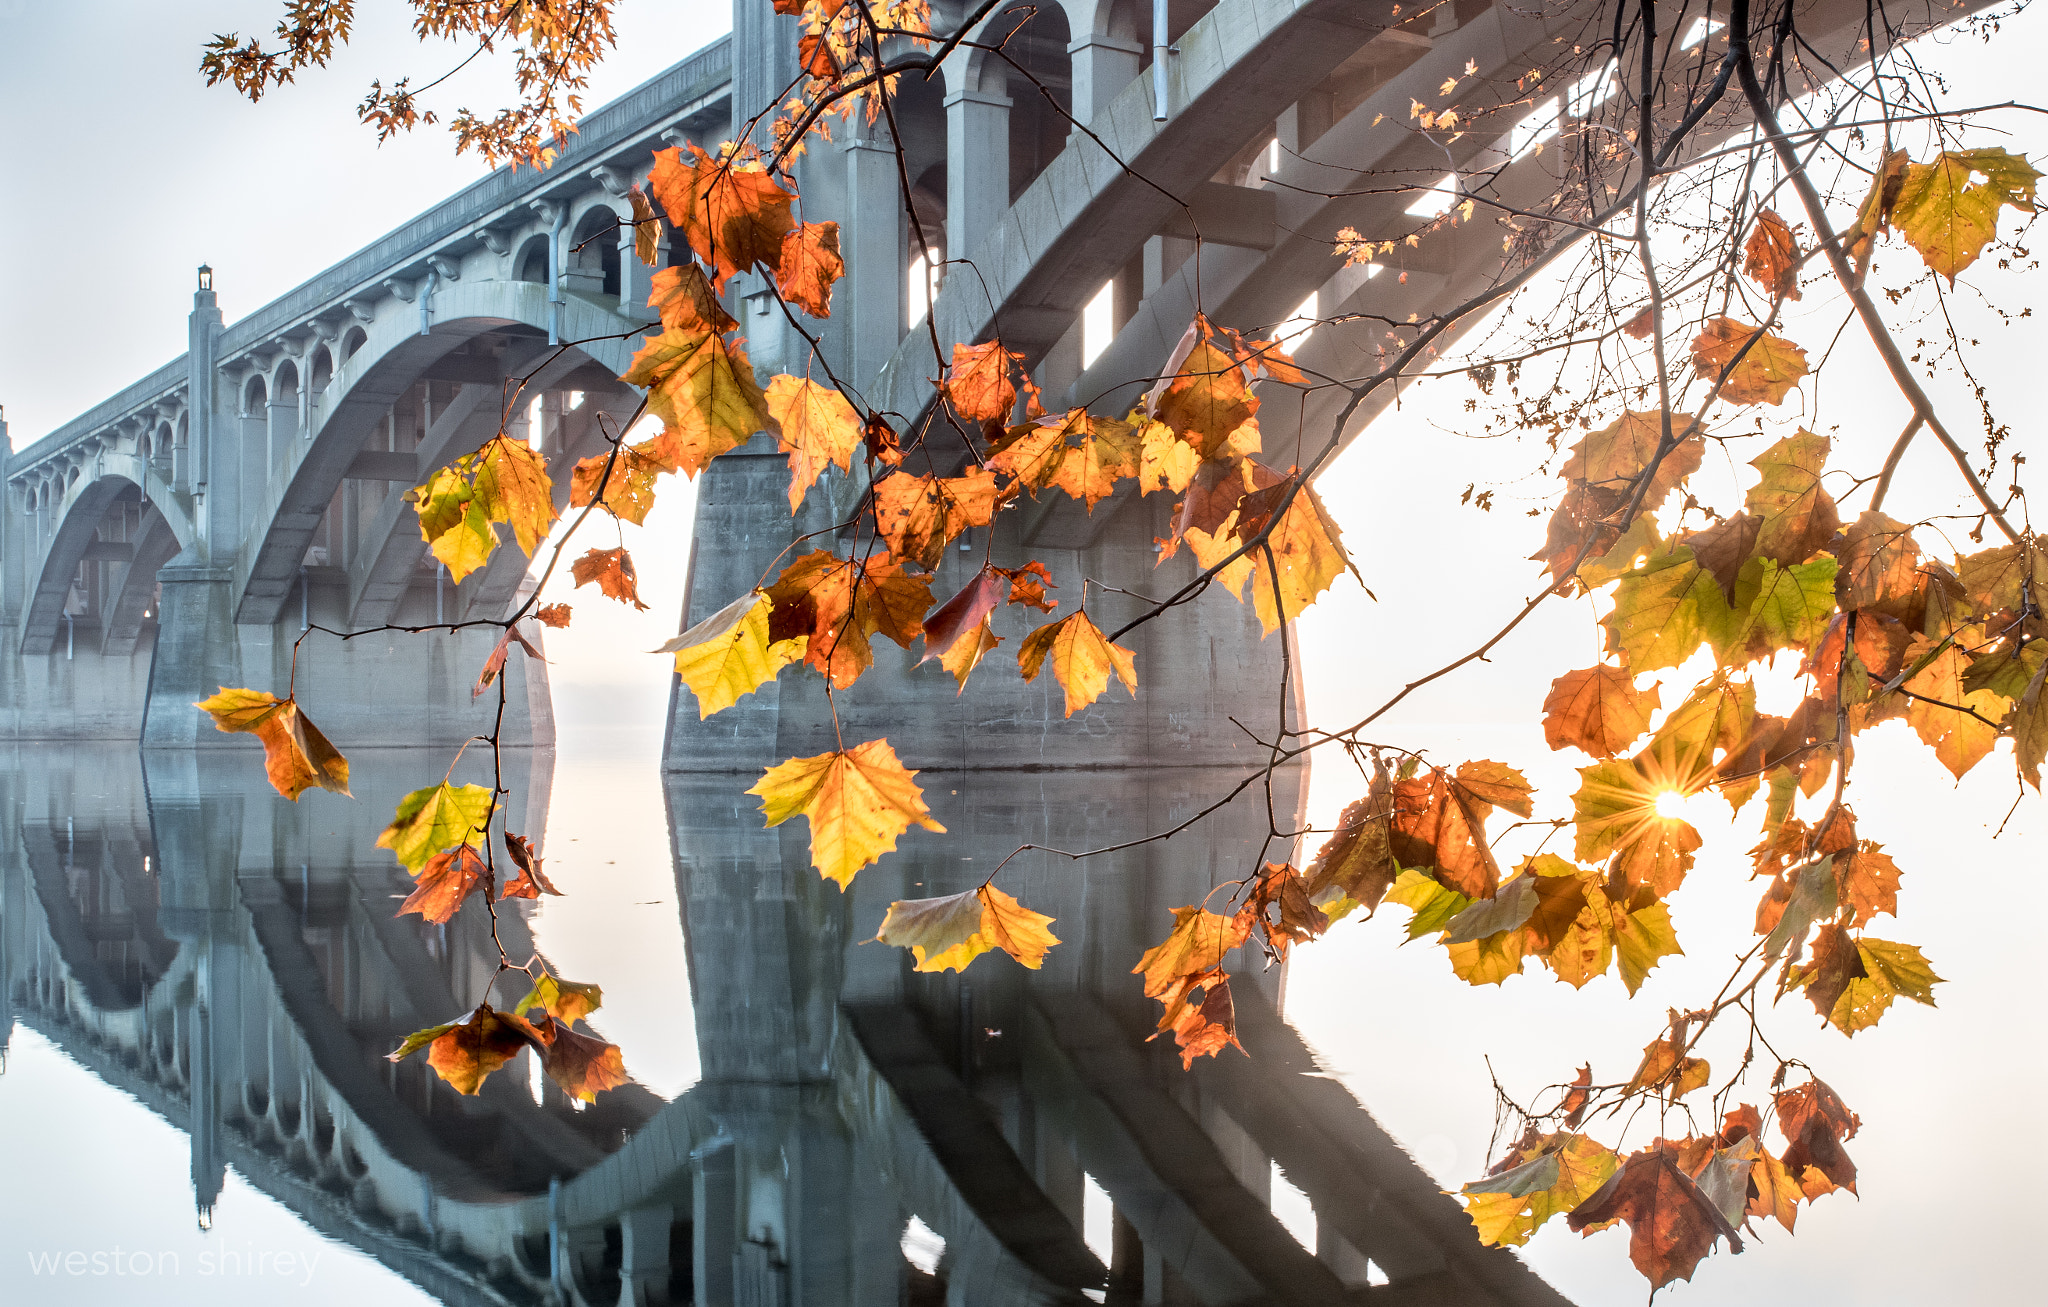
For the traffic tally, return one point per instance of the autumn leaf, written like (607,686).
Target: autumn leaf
(1666,1068)
(1598,710)
(1776,607)
(1616,815)
(1771,256)
(447,878)
(565,1000)
(1208,397)
(296,756)
(1355,867)
(682,295)
(1616,456)
(531,881)
(1079,453)
(436,818)
(1672,1224)
(1082,659)
(729,654)
(1305,548)
(1866,882)
(835,605)
(1202,1029)
(957,632)
(810,263)
(817,426)
(950,932)
(465,1052)
(1957,723)
(1853,980)
(581,1065)
(1723,549)
(612,570)
(702,388)
(979,384)
(732,213)
(1948,216)
(1879,566)
(556,615)
(1549,1176)
(646,228)
(857,800)
(919,516)
(1666,609)
(1194,946)
(1438,820)
(1815,1123)
(627,477)
(1766,371)
(494,665)
(1796,517)
(505,481)
(1279,888)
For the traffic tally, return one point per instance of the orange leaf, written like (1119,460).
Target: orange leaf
(702,388)
(1771,257)
(446,880)
(732,213)
(810,264)
(531,880)
(817,427)
(556,615)
(495,664)
(1598,710)
(1672,1224)
(857,801)
(628,479)
(296,756)
(836,604)
(464,1052)
(979,383)
(918,516)
(1766,371)
(612,569)
(583,1066)
(686,302)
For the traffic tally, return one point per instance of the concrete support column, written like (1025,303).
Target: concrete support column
(872,242)
(636,279)
(1164,256)
(1103,66)
(713,1233)
(197,652)
(643,1256)
(977,168)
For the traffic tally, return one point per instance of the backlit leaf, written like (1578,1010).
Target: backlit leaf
(1771,256)
(1767,370)
(980,385)
(919,516)
(1796,516)
(817,426)
(1598,710)
(1948,216)
(857,801)
(465,1052)
(834,605)
(436,818)
(494,664)
(728,654)
(532,881)
(612,570)
(1082,659)
(1672,1224)
(810,263)
(702,388)
(458,506)
(1548,1177)
(686,302)
(447,878)
(733,213)
(948,933)
(296,756)
(563,999)
(581,1065)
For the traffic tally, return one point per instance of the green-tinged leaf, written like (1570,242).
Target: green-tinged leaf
(1796,516)
(1565,1170)
(436,818)
(1510,906)
(728,654)
(1777,607)
(1642,939)
(1434,903)
(1666,609)
(563,999)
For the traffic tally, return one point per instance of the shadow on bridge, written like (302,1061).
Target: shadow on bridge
(861,1133)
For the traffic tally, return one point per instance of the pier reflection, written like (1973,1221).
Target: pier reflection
(861,1134)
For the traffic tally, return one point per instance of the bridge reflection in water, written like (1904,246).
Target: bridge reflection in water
(231,960)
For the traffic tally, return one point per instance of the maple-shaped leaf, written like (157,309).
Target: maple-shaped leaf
(448,877)
(532,881)
(810,264)
(436,818)
(980,384)
(465,1052)
(612,570)
(1853,980)
(1873,215)
(1435,904)
(1880,566)
(1076,452)
(682,295)
(1767,369)
(732,212)
(883,445)
(494,664)
(556,615)
(1771,256)
(1598,710)
(957,632)
(834,605)
(1959,724)
(296,756)
(2004,577)
(817,426)
(1165,461)
(1207,396)
(627,477)
(1776,607)
(646,228)
(1195,946)
(565,1000)
(1304,549)
(1438,820)
(920,515)
(729,654)
(459,505)
(1672,1224)
(1815,1123)
(1206,1028)
(1549,1176)
(857,800)
(1281,890)
(1667,1069)
(1723,549)
(1082,659)
(1773,1192)
(1866,882)
(1796,517)
(1355,867)
(702,388)
(1616,456)
(581,1065)
(1666,609)
(1028,585)
(1616,815)
(1948,216)
(950,932)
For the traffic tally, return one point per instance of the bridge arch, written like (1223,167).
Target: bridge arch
(107,536)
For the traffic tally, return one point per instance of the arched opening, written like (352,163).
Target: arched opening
(283,408)
(591,263)
(532,263)
(255,395)
(1041,87)
(157,450)
(352,340)
(323,369)
(920,111)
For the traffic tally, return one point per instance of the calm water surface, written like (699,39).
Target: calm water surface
(201,980)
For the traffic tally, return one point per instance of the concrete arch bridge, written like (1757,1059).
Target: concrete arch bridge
(178,535)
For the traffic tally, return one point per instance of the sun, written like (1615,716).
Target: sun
(1670,804)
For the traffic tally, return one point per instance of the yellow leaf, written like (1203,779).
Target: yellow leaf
(1082,659)
(918,515)
(950,932)
(817,427)
(857,800)
(1948,217)
(703,390)
(728,654)
(1767,370)
(439,817)
(646,228)
(1552,1176)
(1958,739)
(296,756)
(1165,461)
(565,1000)
(504,481)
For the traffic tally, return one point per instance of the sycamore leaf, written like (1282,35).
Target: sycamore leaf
(857,801)
(2029,726)
(1616,814)
(464,1052)
(646,228)
(833,605)
(682,295)
(1853,981)
(1771,256)
(1305,548)
(531,881)
(979,384)
(627,477)
(950,932)
(1079,453)
(1438,820)
(1723,548)
(565,1000)
(1664,610)
(1816,1122)
(1598,710)
(1880,565)
(1196,945)
(1873,216)
(1948,217)
(556,615)
(436,818)
(1082,659)
(1614,457)
(494,665)
(1433,902)
(296,756)
(1666,1068)
(702,388)
(1279,886)
(1766,372)
(1165,461)
(1937,714)
(919,516)
(817,427)
(732,213)
(1796,517)
(458,506)
(1208,397)
(583,1066)
(1672,1224)
(728,654)
(447,878)
(810,263)
(1866,882)
(1203,1029)
(1547,1177)
(612,569)
(1356,864)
